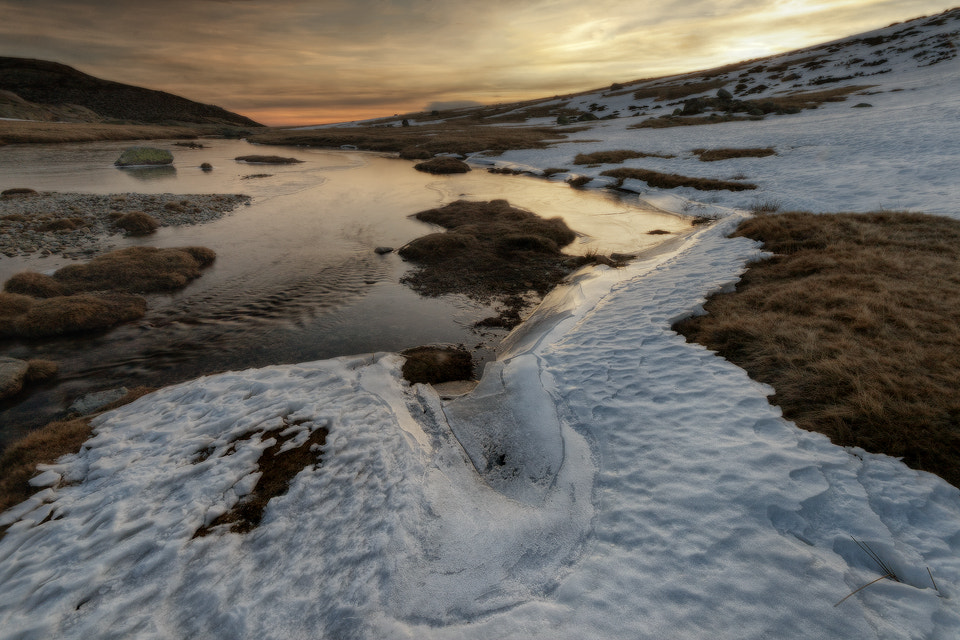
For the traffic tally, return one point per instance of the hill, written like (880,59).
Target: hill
(51,91)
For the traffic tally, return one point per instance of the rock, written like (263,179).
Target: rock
(206,166)
(723,94)
(12,374)
(382,250)
(93,401)
(139,156)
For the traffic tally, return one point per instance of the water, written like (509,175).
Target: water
(296,278)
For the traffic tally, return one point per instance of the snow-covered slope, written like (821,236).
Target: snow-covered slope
(606,480)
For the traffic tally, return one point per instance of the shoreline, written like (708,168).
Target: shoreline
(23,217)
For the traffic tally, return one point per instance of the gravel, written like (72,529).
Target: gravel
(22,218)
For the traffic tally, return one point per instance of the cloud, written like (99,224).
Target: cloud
(395,55)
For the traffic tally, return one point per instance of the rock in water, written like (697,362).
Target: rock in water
(139,156)
(12,374)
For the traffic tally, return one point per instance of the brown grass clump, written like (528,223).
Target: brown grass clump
(277,468)
(672,181)
(37,285)
(461,138)
(49,132)
(17,192)
(30,318)
(18,462)
(434,365)
(856,324)
(62,224)
(688,121)
(614,157)
(675,92)
(712,155)
(137,270)
(40,370)
(579,182)
(138,223)
(442,165)
(267,159)
(491,250)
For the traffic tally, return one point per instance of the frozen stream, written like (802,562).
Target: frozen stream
(296,278)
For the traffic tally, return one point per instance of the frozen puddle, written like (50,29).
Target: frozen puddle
(605,480)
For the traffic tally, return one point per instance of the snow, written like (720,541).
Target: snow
(606,479)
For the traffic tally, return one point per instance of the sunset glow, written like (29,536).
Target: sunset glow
(294,62)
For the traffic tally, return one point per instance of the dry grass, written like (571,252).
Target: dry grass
(688,121)
(267,159)
(25,317)
(491,250)
(675,92)
(39,370)
(712,155)
(137,270)
(36,285)
(813,99)
(856,325)
(418,142)
(277,468)
(45,445)
(138,223)
(49,132)
(434,365)
(614,157)
(672,181)
(442,166)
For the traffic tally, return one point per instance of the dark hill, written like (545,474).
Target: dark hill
(51,83)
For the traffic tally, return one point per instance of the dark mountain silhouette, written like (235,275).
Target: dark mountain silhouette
(50,83)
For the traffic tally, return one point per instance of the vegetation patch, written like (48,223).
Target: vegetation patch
(17,192)
(677,91)
(672,181)
(712,155)
(421,142)
(138,223)
(437,364)
(490,250)
(675,121)
(278,467)
(267,160)
(855,322)
(442,165)
(614,157)
(18,462)
(137,270)
(52,132)
(25,317)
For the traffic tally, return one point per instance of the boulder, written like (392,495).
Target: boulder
(140,156)
(12,374)
(92,401)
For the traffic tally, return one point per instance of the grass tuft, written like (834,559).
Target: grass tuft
(614,157)
(713,155)
(672,181)
(856,324)
(442,165)
(137,223)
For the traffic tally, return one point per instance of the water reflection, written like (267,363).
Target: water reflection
(296,276)
(163,172)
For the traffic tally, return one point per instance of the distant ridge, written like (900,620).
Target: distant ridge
(56,85)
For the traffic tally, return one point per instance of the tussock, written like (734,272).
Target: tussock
(137,270)
(138,223)
(856,324)
(434,365)
(442,165)
(254,159)
(50,132)
(491,250)
(614,157)
(713,155)
(30,318)
(672,181)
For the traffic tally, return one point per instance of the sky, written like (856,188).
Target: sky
(284,62)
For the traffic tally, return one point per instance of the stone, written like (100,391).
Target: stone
(382,250)
(93,401)
(12,374)
(140,156)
